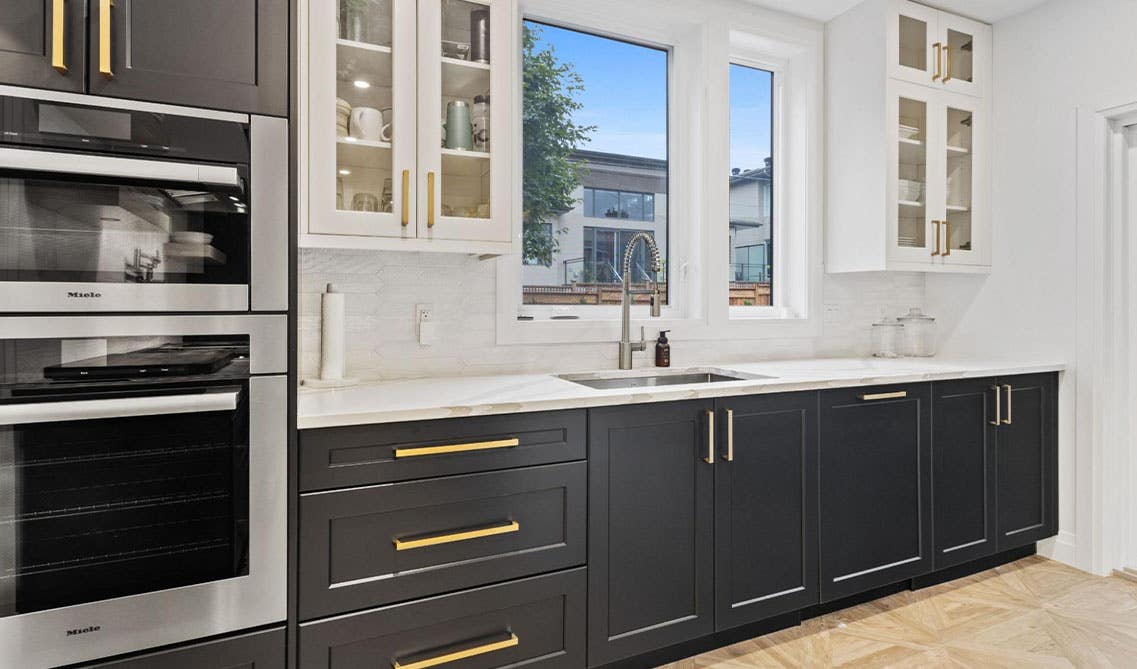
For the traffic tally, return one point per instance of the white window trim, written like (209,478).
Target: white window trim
(702,40)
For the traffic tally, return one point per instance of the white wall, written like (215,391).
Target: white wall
(383,288)
(1047,62)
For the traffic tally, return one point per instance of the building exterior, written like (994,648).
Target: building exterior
(622,195)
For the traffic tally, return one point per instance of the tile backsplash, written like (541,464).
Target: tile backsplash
(382,289)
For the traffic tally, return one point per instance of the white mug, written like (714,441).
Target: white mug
(388,129)
(367,124)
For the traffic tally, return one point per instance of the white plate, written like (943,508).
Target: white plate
(191,237)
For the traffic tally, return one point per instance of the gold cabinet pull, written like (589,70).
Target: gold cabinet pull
(947,63)
(710,457)
(454,656)
(406,198)
(998,405)
(730,435)
(451,537)
(1010,404)
(947,238)
(938,46)
(58,38)
(105,38)
(937,226)
(419,451)
(872,397)
(430,199)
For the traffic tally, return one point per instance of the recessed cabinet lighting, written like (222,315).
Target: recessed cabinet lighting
(345,172)
(360,83)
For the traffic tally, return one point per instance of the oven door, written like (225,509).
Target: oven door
(87,232)
(134,518)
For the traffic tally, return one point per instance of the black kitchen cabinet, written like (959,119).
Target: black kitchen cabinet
(1027,459)
(42,44)
(765,507)
(223,54)
(876,471)
(964,496)
(651,533)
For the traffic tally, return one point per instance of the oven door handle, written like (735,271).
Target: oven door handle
(109,166)
(125,407)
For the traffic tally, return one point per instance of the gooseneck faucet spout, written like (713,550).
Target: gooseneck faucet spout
(627,346)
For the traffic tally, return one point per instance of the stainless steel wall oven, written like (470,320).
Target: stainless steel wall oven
(142,481)
(121,206)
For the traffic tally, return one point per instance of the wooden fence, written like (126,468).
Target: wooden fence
(741,294)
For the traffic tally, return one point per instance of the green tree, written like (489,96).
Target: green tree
(550,136)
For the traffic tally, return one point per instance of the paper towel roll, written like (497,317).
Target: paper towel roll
(332,335)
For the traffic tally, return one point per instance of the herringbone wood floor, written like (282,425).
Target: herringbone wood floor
(1030,613)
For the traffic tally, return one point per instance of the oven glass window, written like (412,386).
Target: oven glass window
(100,500)
(55,228)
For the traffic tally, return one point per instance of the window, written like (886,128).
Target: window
(751,186)
(595,148)
(619,204)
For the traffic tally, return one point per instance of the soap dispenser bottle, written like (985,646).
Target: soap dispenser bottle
(662,350)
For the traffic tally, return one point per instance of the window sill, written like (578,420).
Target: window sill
(511,331)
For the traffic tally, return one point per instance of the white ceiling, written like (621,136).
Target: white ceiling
(989,11)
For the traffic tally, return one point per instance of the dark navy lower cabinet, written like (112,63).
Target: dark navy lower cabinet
(536,622)
(765,507)
(876,487)
(650,528)
(964,495)
(1027,459)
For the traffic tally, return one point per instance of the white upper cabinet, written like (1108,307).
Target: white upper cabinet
(934,48)
(407,110)
(908,163)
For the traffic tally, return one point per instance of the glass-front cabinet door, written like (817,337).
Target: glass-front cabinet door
(964,51)
(913,168)
(464,71)
(912,43)
(938,176)
(964,195)
(362,99)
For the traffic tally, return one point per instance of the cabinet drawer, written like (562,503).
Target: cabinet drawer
(256,650)
(370,546)
(538,622)
(366,454)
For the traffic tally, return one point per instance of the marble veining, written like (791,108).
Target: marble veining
(454,397)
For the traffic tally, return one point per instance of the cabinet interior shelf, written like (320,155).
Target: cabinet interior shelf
(465,163)
(464,79)
(911,204)
(361,153)
(958,208)
(912,152)
(958,150)
(363,62)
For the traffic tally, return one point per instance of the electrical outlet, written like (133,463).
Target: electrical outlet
(427,328)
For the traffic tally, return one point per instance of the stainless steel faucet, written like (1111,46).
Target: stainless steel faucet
(627,346)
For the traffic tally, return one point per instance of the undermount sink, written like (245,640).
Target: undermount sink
(676,378)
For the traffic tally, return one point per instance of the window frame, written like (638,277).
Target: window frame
(702,42)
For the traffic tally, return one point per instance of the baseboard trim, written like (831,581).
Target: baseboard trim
(1126,573)
(1062,548)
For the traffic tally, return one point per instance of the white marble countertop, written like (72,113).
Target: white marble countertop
(454,397)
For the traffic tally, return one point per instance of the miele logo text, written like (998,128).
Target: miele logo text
(83,295)
(83,630)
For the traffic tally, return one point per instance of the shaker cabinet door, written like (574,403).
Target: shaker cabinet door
(650,528)
(222,54)
(765,507)
(876,515)
(963,470)
(1027,460)
(42,44)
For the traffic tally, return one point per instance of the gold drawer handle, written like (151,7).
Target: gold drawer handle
(105,38)
(455,448)
(459,654)
(58,43)
(406,216)
(466,535)
(899,394)
(430,199)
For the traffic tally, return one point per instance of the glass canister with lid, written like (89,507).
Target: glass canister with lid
(919,334)
(887,338)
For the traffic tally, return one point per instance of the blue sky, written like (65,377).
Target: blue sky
(625,96)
